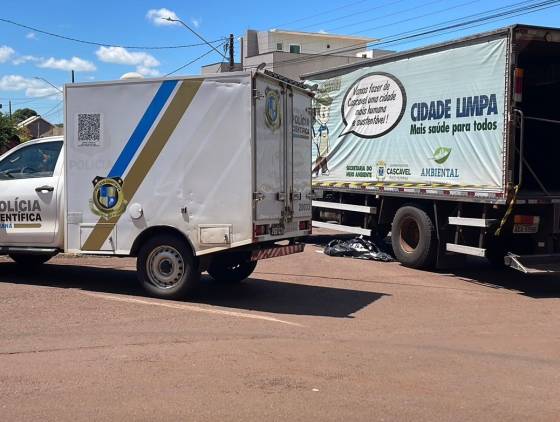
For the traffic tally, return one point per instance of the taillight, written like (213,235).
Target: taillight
(304,225)
(259,230)
(526,219)
(518,85)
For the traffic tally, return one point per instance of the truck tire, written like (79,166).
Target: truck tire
(166,267)
(413,237)
(30,260)
(224,270)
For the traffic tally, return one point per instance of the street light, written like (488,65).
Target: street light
(195,33)
(44,80)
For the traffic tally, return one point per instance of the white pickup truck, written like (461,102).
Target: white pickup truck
(31,207)
(189,175)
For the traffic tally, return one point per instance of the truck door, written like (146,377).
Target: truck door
(29,178)
(283,154)
(300,104)
(270,150)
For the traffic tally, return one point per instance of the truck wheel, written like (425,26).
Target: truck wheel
(413,237)
(231,272)
(166,267)
(30,260)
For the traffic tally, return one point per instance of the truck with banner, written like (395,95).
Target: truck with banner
(186,174)
(452,148)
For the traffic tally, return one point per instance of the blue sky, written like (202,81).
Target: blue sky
(26,54)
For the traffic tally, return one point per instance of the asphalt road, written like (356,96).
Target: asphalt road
(308,337)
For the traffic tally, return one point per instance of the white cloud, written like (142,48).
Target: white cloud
(6,53)
(148,71)
(196,22)
(322,31)
(24,59)
(32,87)
(120,55)
(75,63)
(31,36)
(158,16)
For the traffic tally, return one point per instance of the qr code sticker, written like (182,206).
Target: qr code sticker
(89,130)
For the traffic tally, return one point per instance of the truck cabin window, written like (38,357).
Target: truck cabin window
(38,160)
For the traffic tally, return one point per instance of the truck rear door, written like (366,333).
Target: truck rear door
(301,154)
(270,150)
(283,156)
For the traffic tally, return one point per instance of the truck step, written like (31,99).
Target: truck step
(345,207)
(471,222)
(341,228)
(466,250)
(534,264)
(28,250)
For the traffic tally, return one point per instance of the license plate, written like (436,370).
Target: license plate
(276,230)
(525,228)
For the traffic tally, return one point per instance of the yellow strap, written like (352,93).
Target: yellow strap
(508,211)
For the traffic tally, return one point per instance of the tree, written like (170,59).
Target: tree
(23,113)
(10,135)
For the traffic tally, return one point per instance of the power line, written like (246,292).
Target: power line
(474,25)
(435,12)
(377,6)
(51,110)
(101,44)
(528,8)
(376,18)
(195,33)
(404,11)
(189,63)
(326,12)
(451,20)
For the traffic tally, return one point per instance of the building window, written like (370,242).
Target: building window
(364,56)
(294,48)
(328,46)
(279,46)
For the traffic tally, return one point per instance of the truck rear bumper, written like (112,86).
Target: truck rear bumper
(534,264)
(276,250)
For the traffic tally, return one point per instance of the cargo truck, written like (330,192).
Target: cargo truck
(186,174)
(452,148)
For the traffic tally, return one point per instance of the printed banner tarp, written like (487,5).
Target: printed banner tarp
(436,119)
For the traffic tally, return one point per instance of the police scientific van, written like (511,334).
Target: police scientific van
(186,174)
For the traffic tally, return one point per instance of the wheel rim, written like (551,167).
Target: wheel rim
(410,235)
(165,267)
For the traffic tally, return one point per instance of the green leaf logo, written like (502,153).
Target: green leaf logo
(441,154)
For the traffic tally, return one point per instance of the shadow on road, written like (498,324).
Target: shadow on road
(253,294)
(479,271)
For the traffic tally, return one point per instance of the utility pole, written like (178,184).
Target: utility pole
(10,109)
(72,76)
(231,59)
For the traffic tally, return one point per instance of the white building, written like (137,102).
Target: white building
(293,53)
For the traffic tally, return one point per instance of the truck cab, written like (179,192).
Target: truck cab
(31,200)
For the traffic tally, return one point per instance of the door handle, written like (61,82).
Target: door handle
(44,189)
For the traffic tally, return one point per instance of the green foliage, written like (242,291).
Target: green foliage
(10,135)
(23,113)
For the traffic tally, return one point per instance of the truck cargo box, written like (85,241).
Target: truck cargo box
(223,159)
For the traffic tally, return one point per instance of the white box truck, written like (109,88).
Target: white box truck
(453,148)
(187,174)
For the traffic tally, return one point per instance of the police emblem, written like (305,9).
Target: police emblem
(272,109)
(380,170)
(108,200)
